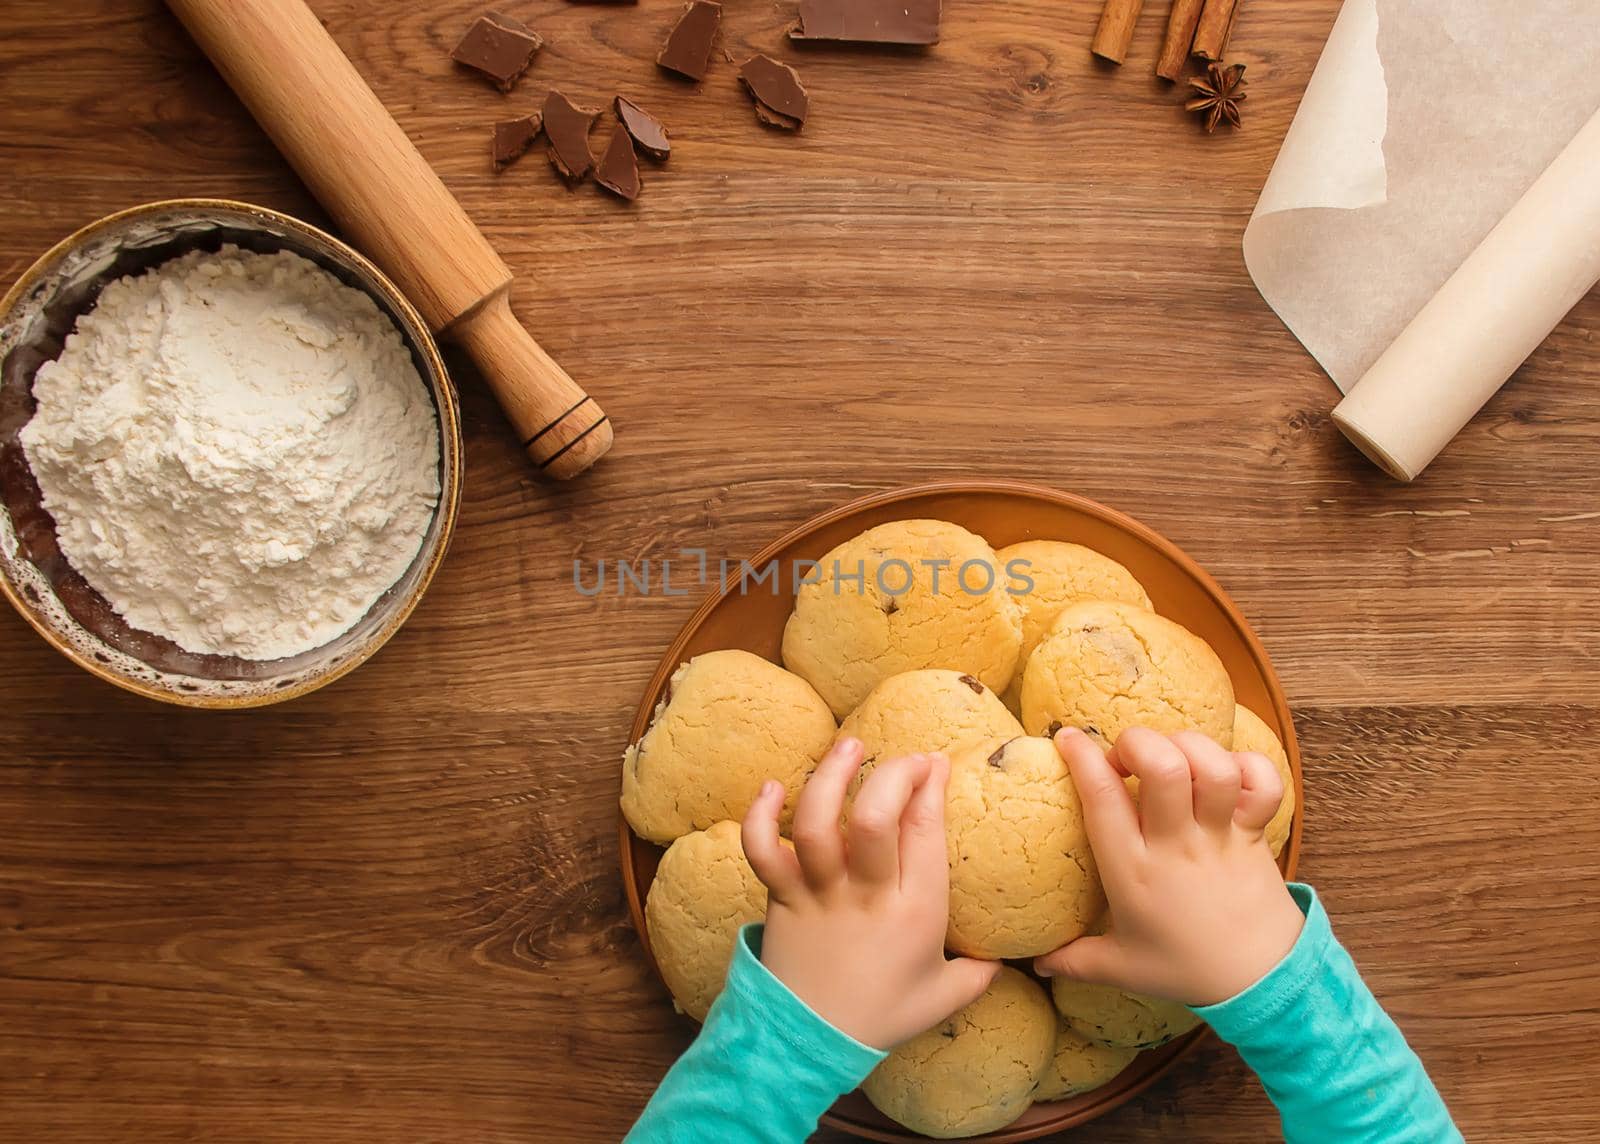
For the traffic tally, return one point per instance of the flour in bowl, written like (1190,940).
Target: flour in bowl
(238,452)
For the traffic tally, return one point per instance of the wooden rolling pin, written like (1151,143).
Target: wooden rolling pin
(359,164)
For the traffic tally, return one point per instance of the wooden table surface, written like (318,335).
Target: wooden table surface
(392,910)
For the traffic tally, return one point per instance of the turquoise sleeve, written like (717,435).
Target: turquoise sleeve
(763,1070)
(1334,1064)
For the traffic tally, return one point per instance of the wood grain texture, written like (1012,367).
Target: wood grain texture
(392,909)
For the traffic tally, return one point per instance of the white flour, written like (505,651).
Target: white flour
(238,452)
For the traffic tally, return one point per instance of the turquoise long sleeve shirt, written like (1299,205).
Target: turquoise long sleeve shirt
(765,1067)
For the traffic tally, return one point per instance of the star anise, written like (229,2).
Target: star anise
(1218,94)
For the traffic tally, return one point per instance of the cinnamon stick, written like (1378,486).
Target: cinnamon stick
(1115,33)
(1180,35)
(1216,24)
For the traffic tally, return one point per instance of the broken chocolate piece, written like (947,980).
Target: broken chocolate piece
(513,138)
(1053,730)
(647,131)
(688,47)
(998,759)
(973,682)
(869,21)
(780,100)
(567,128)
(774,119)
(618,171)
(499,47)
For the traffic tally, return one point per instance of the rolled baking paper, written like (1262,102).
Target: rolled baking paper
(1425,123)
(1485,321)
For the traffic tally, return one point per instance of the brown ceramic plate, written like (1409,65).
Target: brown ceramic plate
(1003,512)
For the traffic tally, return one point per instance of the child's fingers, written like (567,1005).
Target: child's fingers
(1166,785)
(1216,779)
(1116,764)
(1108,811)
(1260,790)
(924,859)
(773,862)
(959,984)
(1097,960)
(817,838)
(873,852)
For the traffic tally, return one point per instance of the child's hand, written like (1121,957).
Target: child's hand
(1199,911)
(856,920)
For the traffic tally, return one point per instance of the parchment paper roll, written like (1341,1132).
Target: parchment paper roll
(1485,321)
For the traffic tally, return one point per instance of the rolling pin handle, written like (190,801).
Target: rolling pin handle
(530,385)
(359,163)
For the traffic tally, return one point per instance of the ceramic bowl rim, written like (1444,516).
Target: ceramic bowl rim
(418,338)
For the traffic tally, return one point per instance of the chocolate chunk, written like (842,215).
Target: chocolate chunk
(688,47)
(567,127)
(869,21)
(774,119)
(997,759)
(1053,730)
(647,131)
(973,682)
(618,171)
(891,606)
(499,47)
(513,138)
(780,100)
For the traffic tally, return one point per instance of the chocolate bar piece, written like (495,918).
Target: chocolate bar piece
(869,21)
(567,128)
(780,100)
(499,47)
(688,47)
(618,171)
(647,131)
(512,139)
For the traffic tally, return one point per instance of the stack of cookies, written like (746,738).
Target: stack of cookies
(917,636)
